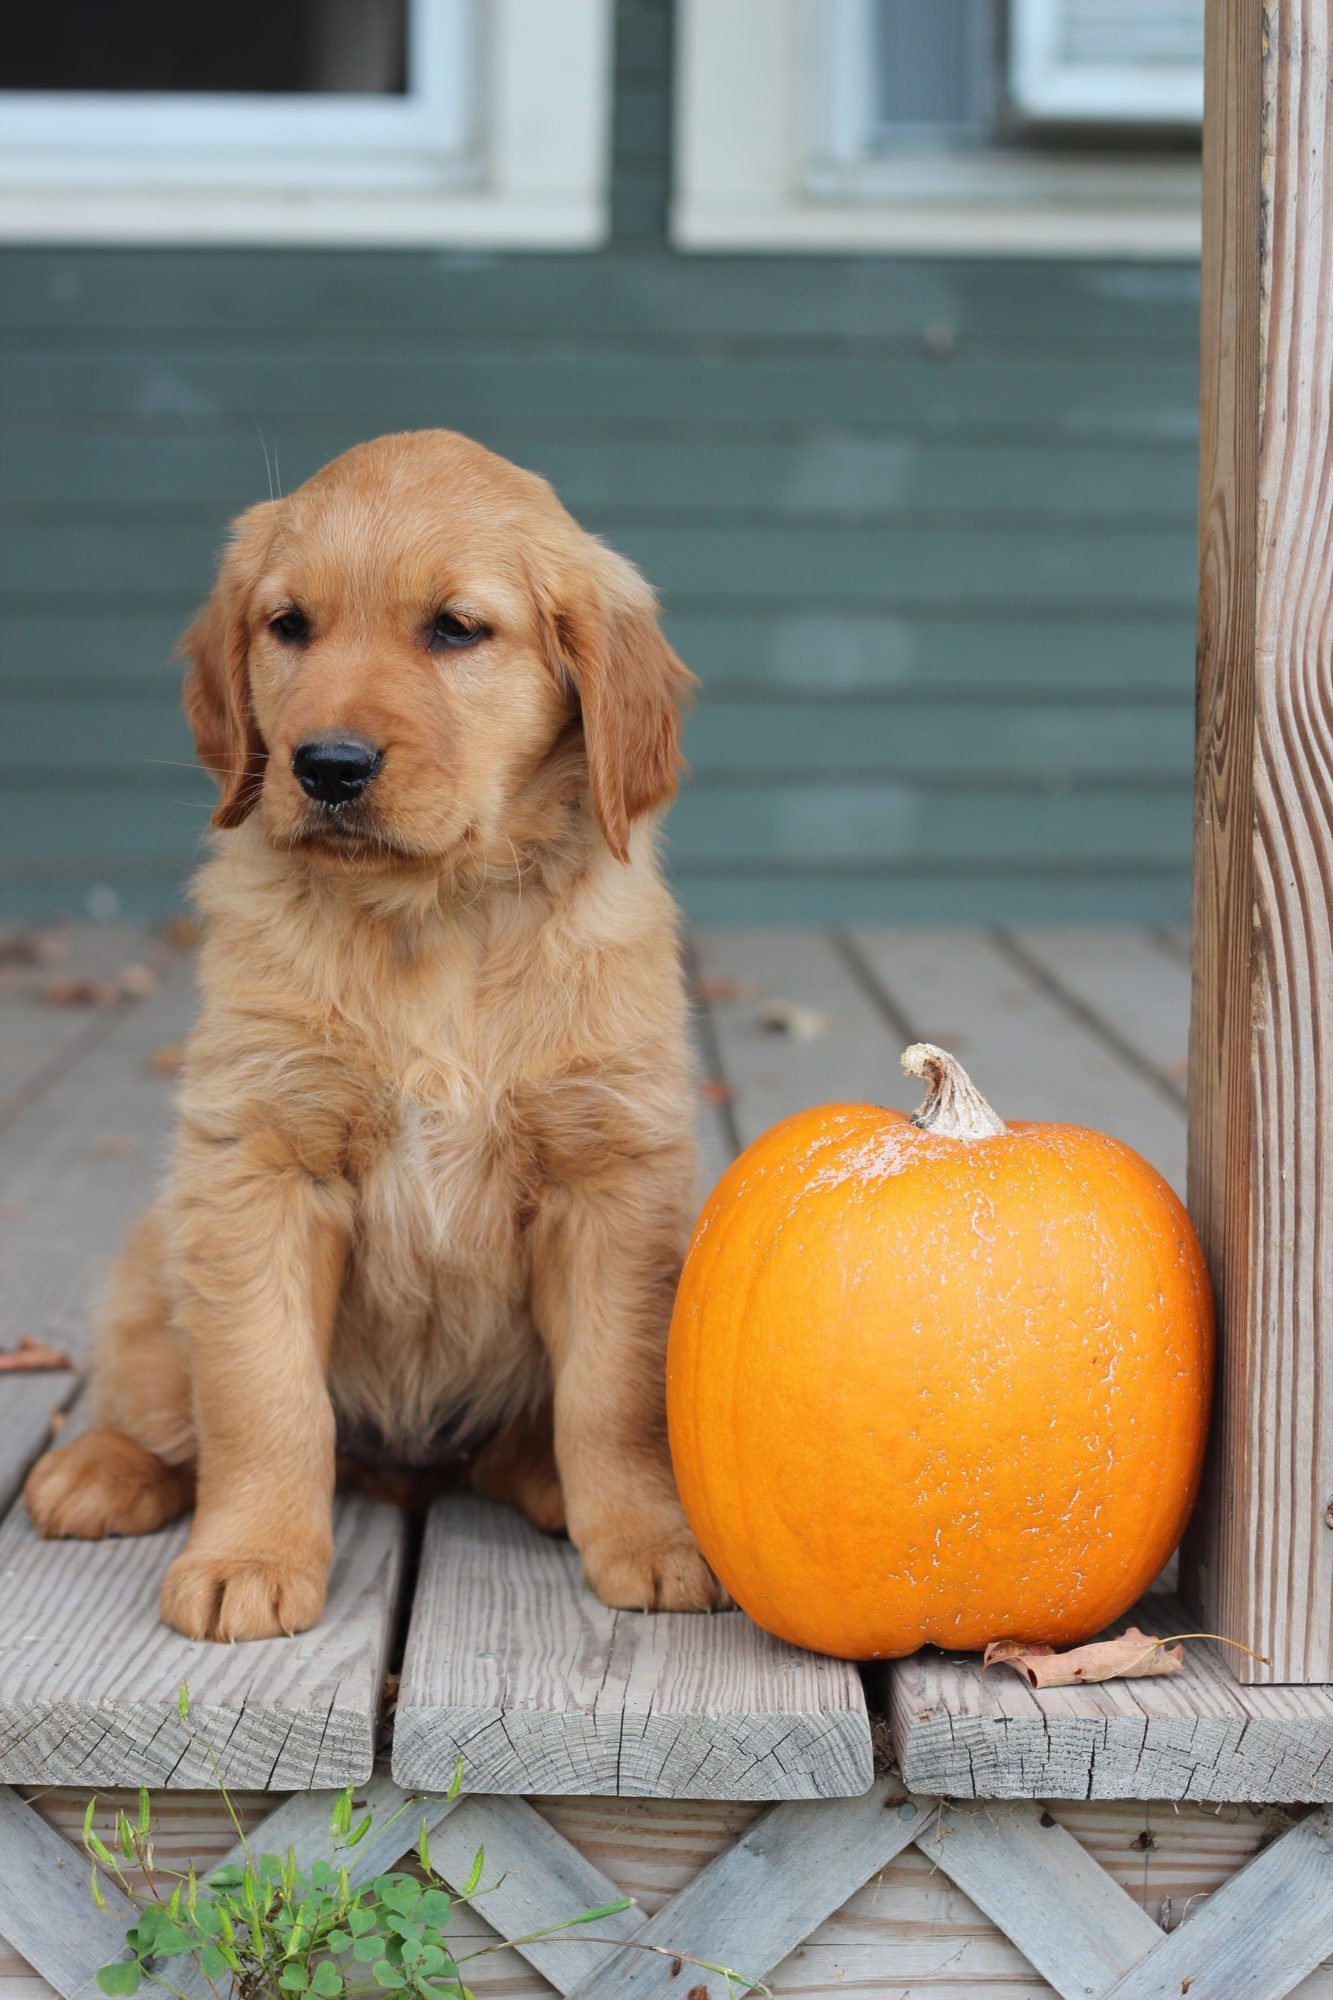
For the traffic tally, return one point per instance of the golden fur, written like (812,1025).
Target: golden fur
(433,1172)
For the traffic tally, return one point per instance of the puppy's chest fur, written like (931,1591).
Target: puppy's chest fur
(469,1122)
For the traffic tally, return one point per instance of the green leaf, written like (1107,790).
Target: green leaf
(171,1941)
(182,1701)
(388,1975)
(412,1950)
(433,1960)
(338,1941)
(359,1920)
(228,1877)
(602,1910)
(120,1979)
(208,1919)
(292,1979)
(474,1875)
(326,1980)
(402,1892)
(435,1908)
(340,1819)
(151,1922)
(213,1963)
(321,1874)
(367,1948)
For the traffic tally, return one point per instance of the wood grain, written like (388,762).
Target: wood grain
(1269,1927)
(909,1930)
(762,1896)
(1195,1735)
(89,1676)
(1262,1038)
(513,1665)
(1067,1916)
(1028,1051)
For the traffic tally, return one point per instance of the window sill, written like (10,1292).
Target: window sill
(397,220)
(1015,206)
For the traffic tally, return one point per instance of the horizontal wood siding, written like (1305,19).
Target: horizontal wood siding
(925,529)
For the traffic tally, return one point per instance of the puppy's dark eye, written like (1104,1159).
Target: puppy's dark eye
(292,627)
(448,633)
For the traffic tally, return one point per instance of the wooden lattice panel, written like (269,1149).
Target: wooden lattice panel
(957,1905)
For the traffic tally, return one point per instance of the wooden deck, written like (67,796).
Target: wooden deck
(508,1662)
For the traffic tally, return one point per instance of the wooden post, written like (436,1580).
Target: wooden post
(1260,1561)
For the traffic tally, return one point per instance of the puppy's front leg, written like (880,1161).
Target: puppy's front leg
(606,1258)
(260,1247)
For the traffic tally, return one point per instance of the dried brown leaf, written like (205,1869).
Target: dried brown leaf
(718,991)
(1133,1656)
(78,991)
(136,982)
(183,932)
(31,947)
(32,1355)
(713,1092)
(168,1059)
(787,1017)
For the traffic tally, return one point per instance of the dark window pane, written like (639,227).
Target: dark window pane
(936,69)
(290,47)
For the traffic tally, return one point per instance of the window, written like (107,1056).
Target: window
(1028,126)
(377,121)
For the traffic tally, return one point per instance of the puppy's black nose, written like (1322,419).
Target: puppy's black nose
(335,768)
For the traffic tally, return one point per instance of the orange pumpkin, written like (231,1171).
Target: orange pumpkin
(938,1380)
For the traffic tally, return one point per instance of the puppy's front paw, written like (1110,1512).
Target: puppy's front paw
(105,1484)
(662,1572)
(242,1597)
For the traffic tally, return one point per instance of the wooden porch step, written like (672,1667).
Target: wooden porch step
(89,1675)
(515,1667)
(1197,1735)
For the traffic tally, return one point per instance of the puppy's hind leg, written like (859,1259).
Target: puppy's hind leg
(517,1466)
(134,1471)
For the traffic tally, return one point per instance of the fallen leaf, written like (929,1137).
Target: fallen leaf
(184,932)
(1000,1650)
(168,1059)
(113,1147)
(32,1354)
(136,982)
(80,992)
(713,1092)
(31,947)
(786,1017)
(716,992)
(1133,1656)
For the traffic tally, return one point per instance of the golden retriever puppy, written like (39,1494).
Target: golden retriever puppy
(432,1178)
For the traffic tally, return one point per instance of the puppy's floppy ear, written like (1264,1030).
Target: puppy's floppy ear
(631,688)
(217,685)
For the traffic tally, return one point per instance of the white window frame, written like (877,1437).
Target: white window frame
(1044,86)
(772,122)
(479,151)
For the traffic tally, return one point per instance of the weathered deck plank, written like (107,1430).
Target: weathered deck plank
(1029,1053)
(1130,986)
(89,1675)
(565,1695)
(1196,1735)
(853,1056)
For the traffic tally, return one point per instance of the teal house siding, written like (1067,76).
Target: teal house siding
(925,530)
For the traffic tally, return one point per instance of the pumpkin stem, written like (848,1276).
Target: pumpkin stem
(954,1107)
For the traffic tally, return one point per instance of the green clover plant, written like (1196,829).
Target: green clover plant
(264,1927)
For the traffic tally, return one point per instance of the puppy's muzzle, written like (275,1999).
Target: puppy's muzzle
(334,769)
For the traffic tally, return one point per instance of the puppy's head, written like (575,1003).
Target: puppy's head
(420,655)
